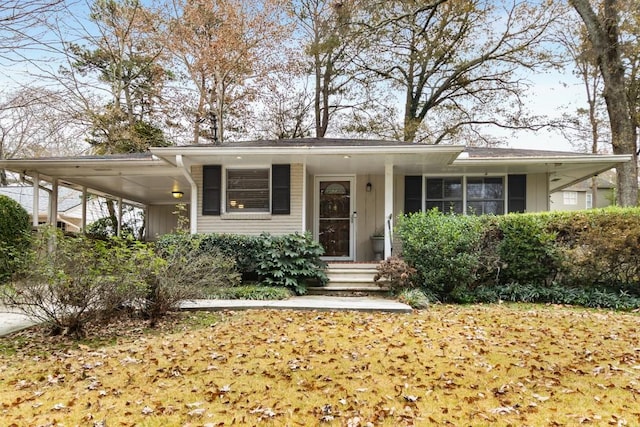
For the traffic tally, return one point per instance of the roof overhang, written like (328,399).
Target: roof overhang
(150,178)
(408,158)
(146,181)
(563,170)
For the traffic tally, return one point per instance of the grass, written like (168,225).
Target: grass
(451,365)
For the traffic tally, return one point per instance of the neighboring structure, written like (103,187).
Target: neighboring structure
(580,195)
(69,210)
(341,191)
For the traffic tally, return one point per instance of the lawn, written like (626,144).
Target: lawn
(450,365)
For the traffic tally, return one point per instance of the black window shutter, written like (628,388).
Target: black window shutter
(517,197)
(281,189)
(412,194)
(211,189)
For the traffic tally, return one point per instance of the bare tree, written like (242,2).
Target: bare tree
(33,125)
(21,24)
(457,62)
(224,46)
(604,34)
(330,41)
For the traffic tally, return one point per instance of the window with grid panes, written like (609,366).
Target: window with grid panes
(247,190)
(485,195)
(445,194)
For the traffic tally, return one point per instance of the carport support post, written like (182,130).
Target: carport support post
(388,208)
(35,207)
(53,203)
(84,210)
(119,217)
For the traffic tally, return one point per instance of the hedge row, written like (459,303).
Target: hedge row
(570,257)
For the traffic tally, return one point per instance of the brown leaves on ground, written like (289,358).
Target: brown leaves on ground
(478,365)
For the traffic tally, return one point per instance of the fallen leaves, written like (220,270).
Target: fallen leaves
(498,365)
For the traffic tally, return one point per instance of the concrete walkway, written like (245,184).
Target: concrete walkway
(308,302)
(11,321)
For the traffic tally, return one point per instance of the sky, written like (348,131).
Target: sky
(552,94)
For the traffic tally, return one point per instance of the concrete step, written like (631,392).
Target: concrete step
(347,291)
(350,279)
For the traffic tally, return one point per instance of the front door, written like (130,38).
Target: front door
(335,216)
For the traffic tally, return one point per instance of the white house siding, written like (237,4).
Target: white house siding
(161,219)
(537,192)
(370,209)
(253,224)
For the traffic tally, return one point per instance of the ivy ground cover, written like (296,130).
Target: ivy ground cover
(451,365)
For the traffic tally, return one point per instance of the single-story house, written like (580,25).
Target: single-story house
(340,190)
(581,196)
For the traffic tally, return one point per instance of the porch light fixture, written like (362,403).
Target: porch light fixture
(177,194)
(368,187)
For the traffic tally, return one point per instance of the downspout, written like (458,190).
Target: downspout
(193,211)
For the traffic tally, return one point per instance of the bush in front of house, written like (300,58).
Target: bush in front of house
(601,248)
(289,260)
(243,249)
(589,258)
(444,250)
(527,249)
(395,274)
(14,236)
(70,282)
(184,271)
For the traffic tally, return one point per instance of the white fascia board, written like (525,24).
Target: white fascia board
(551,160)
(192,152)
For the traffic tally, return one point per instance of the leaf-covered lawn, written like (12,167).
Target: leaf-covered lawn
(478,365)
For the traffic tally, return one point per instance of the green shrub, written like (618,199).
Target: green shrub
(14,236)
(244,250)
(589,258)
(290,261)
(444,249)
(527,250)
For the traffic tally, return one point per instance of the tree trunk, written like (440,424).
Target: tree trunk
(603,34)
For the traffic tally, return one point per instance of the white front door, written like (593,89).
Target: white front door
(335,216)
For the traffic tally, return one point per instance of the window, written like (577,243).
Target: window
(589,203)
(473,195)
(570,197)
(485,195)
(445,194)
(247,190)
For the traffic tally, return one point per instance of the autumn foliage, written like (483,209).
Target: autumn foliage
(451,365)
